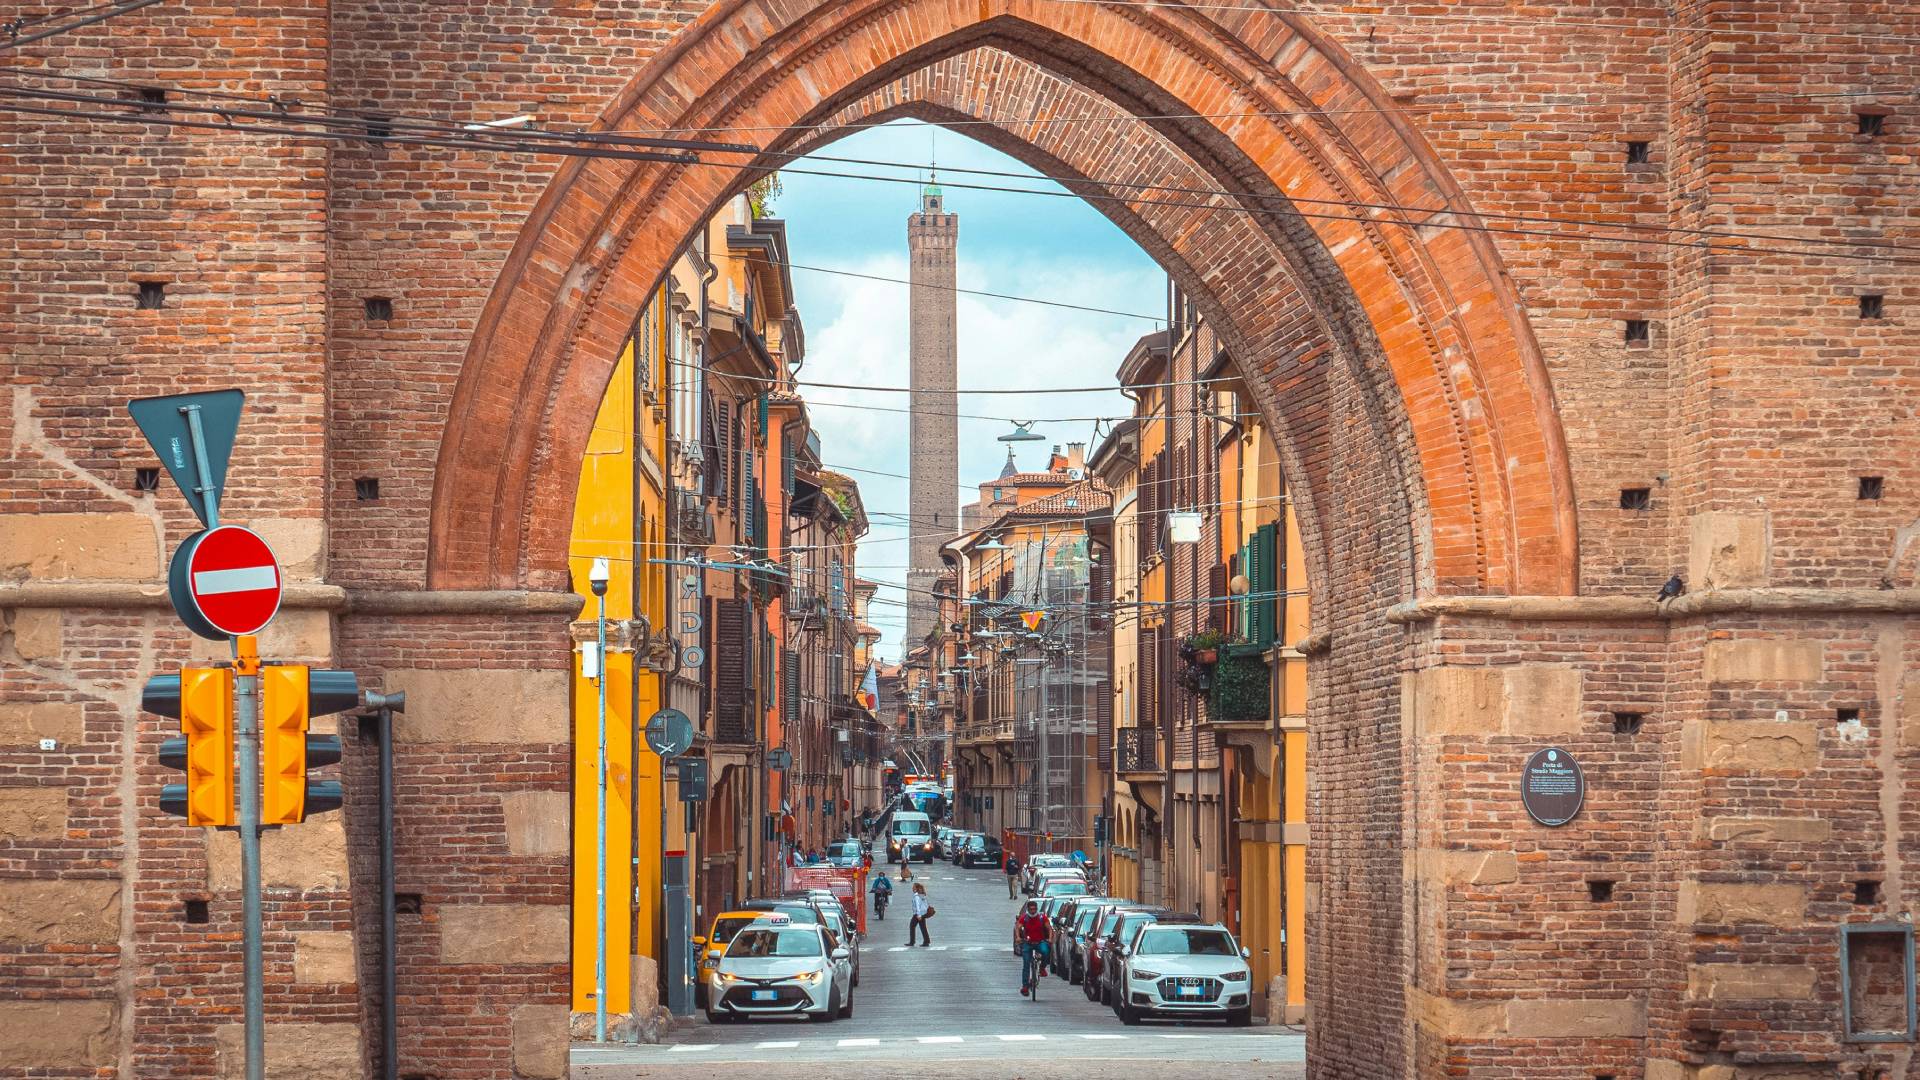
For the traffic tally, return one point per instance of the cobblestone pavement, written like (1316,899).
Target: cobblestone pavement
(954,1010)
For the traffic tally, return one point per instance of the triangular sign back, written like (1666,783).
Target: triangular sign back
(164,422)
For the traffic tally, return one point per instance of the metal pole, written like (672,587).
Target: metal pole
(207,489)
(389,976)
(246,713)
(600,882)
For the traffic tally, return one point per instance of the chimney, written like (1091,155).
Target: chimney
(1076,456)
(1057,462)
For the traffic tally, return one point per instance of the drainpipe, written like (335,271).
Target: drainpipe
(386,705)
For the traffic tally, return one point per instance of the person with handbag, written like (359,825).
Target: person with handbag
(922,911)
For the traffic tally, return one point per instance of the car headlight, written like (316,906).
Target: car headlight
(728,977)
(812,978)
(1235,976)
(710,962)
(1144,976)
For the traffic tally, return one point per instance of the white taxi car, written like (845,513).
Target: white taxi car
(777,967)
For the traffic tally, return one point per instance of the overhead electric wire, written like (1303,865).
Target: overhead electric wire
(85,16)
(496,139)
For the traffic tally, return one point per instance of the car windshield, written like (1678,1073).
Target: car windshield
(766,941)
(976,843)
(910,828)
(724,929)
(796,911)
(1083,921)
(1066,888)
(1048,860)
(850,849)
(1173,941)
(1128,924)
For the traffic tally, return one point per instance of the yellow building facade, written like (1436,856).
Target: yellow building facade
(619,515)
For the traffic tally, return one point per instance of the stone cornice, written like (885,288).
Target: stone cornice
(1635,609)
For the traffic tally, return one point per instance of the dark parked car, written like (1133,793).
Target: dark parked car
(1063,921)
(1102,941)
(1080,935)
(979,850)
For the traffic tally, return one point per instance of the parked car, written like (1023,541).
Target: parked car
(1186,970)
(1100,944)
(1055,873)
(980,850)
(846,853)
(1087,915)
(725,925)
(778,967)
(841,924)
(1121,936)
(1064,887)
(1036,862)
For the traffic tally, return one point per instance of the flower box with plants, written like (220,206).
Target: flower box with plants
(1203,647)
(1241,687)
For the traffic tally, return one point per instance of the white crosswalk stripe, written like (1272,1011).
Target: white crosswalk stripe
(859,1042)
(691,1046)
(787,1045)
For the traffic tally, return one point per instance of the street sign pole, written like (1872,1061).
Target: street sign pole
(207,490)
(246,738)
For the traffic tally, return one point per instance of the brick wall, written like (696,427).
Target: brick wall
(1458,410)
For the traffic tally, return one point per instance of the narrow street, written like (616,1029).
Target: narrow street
(954,1010)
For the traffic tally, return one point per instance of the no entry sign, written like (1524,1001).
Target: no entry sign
(225,583)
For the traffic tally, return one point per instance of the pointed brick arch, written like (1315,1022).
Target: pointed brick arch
(1431,309)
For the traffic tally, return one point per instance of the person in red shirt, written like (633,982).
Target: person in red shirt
(1032,929)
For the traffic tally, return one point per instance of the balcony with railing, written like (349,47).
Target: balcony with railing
(1136,752)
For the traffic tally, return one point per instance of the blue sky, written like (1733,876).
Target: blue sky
(1025,245)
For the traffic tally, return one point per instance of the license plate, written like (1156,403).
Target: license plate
(1192,991)
(763,995)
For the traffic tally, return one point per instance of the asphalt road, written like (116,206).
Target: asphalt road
(954,1011)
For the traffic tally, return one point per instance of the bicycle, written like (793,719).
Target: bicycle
(1036,969)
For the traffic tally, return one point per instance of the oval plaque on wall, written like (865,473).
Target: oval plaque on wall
(1552,786)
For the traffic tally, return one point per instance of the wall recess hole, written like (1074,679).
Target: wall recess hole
(1639,153)
(367,726)
(193,912)
(1873,487)
(1628,723)
(152,296)
(379,309)
(1846,716)
(366,488)
(146,478)
(406,903)
(377,126)
(1876,978)
(1599,891)
(1636,498)
(1872,124)
(1873,306)
(1639,332)
(1866,892)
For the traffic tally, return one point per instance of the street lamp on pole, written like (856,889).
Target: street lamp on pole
(597,578)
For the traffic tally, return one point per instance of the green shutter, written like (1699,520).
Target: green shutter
(1263,580)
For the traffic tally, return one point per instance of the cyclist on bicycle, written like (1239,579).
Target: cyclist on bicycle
(1032,928)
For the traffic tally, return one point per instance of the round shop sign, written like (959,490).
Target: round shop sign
(1552,786)
(669,733)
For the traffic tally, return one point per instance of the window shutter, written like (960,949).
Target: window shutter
(1103,717)
(1260,628)
(1149,668)
(790,683)
(733,664)
(723,481)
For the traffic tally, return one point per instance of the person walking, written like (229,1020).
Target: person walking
(1033,946)
(922,911)
(1013,874)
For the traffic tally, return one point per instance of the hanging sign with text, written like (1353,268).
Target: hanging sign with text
(1552,786)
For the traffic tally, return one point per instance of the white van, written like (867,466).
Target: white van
(910,836)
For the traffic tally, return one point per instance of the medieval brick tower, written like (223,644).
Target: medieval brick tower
(933,237)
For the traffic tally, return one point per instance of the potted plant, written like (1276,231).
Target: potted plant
(1204,647)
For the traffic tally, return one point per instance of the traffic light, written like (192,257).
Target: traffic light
(290,696)
(202,700)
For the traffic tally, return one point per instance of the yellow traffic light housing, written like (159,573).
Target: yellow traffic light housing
(206,719)
(283,744)
(290,696)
